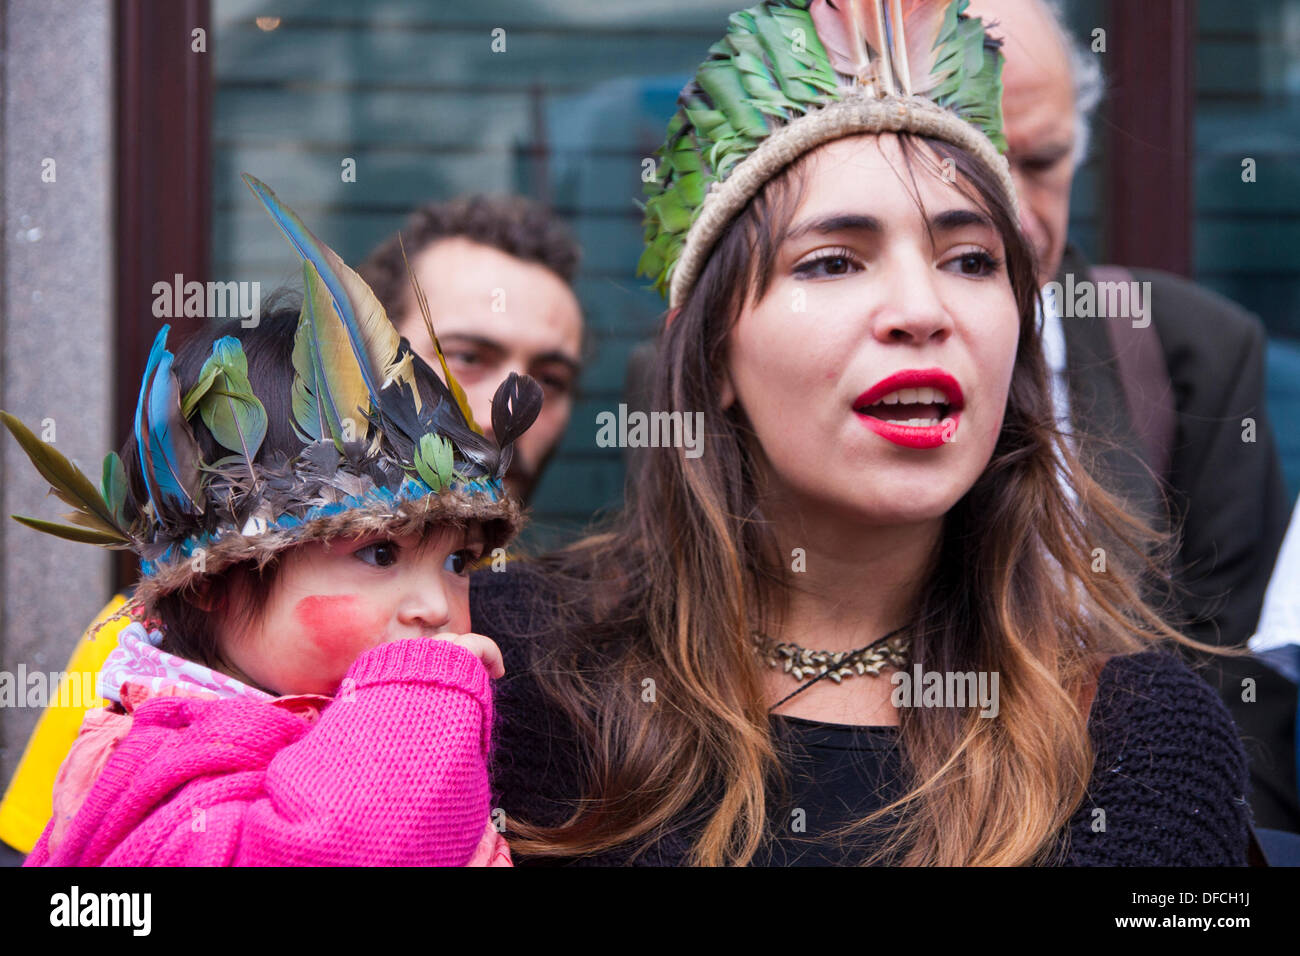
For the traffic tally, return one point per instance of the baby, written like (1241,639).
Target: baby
(301,685)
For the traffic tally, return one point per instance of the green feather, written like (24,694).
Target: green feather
(329,387)
(443,460)
(234,415)
(307,419)
(434,457)
(190,402)
(113,487)
(80,535)
(722,82)
(66,480)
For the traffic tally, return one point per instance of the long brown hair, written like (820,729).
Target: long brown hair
(666,593)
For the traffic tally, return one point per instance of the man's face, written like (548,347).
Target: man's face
(495,314)
(1038,114)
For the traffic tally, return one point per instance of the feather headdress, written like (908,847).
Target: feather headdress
(791,75)
(387,445)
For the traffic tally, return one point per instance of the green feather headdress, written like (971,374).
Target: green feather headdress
(387,446)
(791,75)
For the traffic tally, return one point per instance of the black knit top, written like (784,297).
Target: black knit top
(1170,775)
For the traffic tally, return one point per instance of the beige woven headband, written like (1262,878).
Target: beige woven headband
(855,114)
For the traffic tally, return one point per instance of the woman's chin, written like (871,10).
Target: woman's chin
(907,505)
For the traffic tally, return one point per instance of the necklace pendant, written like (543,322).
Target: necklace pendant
(803,664)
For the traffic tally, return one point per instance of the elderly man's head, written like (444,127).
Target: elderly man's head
(1050,88)
(497,272)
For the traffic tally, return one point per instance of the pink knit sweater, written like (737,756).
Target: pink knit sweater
(393,773)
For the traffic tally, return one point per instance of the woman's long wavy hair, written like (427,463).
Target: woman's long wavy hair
(666,592)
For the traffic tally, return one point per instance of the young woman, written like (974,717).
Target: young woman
(853,314)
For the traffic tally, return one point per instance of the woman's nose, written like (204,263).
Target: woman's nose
(913,310)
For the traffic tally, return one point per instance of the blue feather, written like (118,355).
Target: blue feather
(141,442)
(168,452)
(324,259)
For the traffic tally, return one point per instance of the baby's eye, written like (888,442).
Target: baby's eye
(381,554)
(459,562)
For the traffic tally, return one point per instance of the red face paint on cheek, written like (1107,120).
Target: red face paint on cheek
(339,626)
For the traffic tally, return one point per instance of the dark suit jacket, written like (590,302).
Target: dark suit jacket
(1227,495)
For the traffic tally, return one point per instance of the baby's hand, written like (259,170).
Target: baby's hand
(484,648)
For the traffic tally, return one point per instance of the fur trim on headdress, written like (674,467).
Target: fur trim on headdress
(501,521)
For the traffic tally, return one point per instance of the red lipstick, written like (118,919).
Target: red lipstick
(914,436)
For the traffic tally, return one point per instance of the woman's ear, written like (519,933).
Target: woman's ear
(726,392)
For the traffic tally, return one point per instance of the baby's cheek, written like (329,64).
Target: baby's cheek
(460,620)
(339,627)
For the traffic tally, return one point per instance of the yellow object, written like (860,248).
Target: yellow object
(28,802)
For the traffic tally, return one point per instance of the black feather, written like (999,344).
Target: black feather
(515,406)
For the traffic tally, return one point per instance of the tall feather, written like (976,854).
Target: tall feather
(169,455)
(462,401)
(329,385)
(93,513)
(892,42)
(375,342)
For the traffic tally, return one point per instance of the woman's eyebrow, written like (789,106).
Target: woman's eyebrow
(954,219)
(828,225)
(947,221)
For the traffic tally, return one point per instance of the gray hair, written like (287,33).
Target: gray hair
(1085,72)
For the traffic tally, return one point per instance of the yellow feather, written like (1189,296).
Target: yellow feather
(462,401)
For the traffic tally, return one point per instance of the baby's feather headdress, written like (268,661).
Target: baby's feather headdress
(388,446)
(791,75)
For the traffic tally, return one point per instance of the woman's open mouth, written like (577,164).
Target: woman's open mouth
(918,408)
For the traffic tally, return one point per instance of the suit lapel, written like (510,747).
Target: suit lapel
(1098,411)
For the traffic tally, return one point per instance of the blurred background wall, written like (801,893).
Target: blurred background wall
(56,319)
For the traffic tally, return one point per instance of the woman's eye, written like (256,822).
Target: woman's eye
(381,554)
(836,263)
(465,358)
(459,562)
